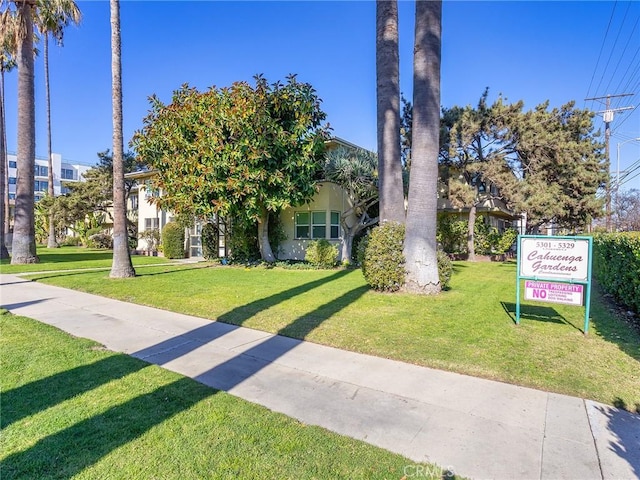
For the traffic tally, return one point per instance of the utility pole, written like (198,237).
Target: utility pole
(607,117)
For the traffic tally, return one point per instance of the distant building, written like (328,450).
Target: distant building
(62,172)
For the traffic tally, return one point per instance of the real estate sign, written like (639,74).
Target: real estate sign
(555,258)
(555,269)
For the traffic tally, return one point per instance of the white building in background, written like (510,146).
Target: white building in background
(62,172)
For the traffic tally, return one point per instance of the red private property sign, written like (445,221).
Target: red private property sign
(569,293)
(556,270)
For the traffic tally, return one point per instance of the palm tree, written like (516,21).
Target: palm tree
(51,19)
(121,266)
(24,239)
(7,63)
(388,112)
(420,247)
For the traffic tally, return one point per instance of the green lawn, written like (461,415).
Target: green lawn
(468,329)
(70,258)
(71,409)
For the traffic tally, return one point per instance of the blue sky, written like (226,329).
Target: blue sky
(530,51)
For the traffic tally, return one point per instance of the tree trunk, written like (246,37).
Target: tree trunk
(121,266)
(388,113)
(24,239)
(7,205)
(263,237)
(471,228)
(420,248)
(51,242)
(4,253)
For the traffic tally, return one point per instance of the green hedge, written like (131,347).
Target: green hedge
(616,266)
(173,240)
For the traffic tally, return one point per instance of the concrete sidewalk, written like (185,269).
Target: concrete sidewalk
(476,428)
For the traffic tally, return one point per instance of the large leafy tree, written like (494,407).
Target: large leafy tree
(241,151)
(24,241)
(420,246)
(355,171)
(121,266)
(388,112)
(555,164)
(51,19)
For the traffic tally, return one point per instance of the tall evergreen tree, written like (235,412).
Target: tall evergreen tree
(420,247)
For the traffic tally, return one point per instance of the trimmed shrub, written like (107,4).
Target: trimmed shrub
(383,262)
(321,254)
(100,240)
(616,263)
(173,240)
(243,241)
(445,269)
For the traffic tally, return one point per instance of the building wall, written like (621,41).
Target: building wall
(330,198)
(62,172)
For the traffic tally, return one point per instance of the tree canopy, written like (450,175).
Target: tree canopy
(240,151)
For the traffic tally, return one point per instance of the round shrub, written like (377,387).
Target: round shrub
(383,262)
(173,240)
(100,240)
(321,254)
(445,269)
(210,240)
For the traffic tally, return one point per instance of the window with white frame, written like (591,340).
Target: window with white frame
(13,164)
(41,171)
(67,174)
(151,223)
(311,224)
(40,185)
(335,225)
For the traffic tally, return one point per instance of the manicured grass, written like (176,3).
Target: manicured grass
(468,329)
(72,409)
(70,258)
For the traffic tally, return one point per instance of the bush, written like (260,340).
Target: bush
(100,240)
(70,241)
(173,240)
(243,241)
(616,263)
(210,240)
(151,238)
(383,260)
(321,254)
(452,233)
(445,269)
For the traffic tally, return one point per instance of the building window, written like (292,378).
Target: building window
(13,164)
(12,196)
(40,186)
(311,225)
(64,190)
(67,174)
(335,225)
(12,180)
(134,201)
(149,190)
(41,171)
(151,223)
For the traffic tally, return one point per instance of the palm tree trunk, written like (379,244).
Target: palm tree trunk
(121,266)
(51,242)
(24,238)
(6,220)
(4,253)
(388,112)
(420,246)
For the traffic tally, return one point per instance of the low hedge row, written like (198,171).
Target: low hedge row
(616,266)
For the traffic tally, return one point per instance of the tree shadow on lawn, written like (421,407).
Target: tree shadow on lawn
(68,257)
(81,445)
(37,396)
(65,273)
(535,312)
